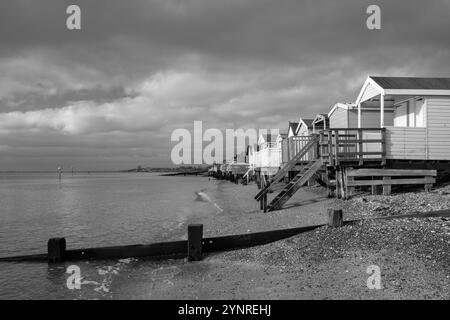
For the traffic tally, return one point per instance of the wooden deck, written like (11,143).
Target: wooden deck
(353,146)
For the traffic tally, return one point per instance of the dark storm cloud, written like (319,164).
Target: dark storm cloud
(139,69)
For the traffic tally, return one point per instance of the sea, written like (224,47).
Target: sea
(94,210)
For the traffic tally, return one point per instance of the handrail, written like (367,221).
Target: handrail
(339,144)
(289,165)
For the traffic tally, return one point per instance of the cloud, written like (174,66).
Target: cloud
(140,69)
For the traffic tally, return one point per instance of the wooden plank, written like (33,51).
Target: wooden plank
(232,242)
(354,141)
(391,182)
(364,153)
(390,172)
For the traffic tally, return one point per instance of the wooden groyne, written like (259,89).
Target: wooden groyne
(196,246)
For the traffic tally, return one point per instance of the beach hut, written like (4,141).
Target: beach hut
(420,125)
(396,133)
(320,122)
(304,127)
(345,115)
(300,139)
(268,154)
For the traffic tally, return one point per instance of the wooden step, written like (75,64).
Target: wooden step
(289,165)
(290,190)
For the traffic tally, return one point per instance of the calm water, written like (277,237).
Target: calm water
(89,210)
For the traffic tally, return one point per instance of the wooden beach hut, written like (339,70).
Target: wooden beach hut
(268,155)
(345,115)
(304,127)
(396,133)
(420,128)
(320,122)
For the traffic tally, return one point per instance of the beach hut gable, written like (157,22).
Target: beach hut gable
(304,127)
(292,130)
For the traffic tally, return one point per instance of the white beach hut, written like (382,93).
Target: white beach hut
(420,128)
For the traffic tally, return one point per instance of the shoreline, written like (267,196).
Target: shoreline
(413,254)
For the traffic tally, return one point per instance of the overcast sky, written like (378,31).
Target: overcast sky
(110,95)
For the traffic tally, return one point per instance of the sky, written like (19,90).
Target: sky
(110,95)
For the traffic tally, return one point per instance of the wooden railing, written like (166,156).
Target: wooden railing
(357,145)
(292,146)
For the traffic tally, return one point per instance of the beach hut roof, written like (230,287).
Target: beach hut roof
(374,86)
(413,83)
(345,106)
(293,125)
(305,122)
(321,117)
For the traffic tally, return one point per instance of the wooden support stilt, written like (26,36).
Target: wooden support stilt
(428,187)
(56,248)
(344,184)
(338,183)
(265,203)
(261,201)
(375,189)
(328,181)
(350,190)
(386,187)
(335,218)
(195,237)
(258,180)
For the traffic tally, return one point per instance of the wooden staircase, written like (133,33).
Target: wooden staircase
(306,173)
(288,166)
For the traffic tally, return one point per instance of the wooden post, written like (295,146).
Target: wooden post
(336,147)
(428,187)
(338,183)
(360,145)
(350,189)
(328,180)
(335,218)
(387,187)
(261,200)
(265,203)
(258,180)
(383,146)
(330,147)
(359,115)
(195,236)
(56,249)
(374,188)
(343,185)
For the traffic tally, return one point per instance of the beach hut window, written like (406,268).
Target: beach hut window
(419,113)
(400,115)
(410,114)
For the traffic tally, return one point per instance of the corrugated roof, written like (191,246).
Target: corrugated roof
(413,83)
